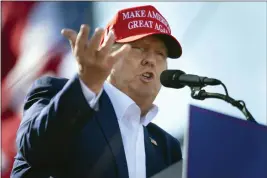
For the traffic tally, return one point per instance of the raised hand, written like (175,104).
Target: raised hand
(95,62)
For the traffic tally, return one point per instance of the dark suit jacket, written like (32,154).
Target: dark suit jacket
(61,136)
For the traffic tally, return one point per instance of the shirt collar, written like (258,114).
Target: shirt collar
(121,103)
(145,120)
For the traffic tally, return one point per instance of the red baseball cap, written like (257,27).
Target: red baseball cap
(138,22)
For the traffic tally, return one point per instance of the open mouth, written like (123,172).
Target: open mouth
(147,76)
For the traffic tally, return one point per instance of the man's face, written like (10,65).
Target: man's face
(139,73)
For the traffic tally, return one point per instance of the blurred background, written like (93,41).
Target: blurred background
(223,40)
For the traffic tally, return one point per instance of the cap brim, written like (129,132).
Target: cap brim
(173,46)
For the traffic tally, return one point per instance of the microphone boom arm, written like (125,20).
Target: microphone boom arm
(200,94)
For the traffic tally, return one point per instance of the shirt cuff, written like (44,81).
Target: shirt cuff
(90,96)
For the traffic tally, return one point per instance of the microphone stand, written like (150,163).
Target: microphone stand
(200,94)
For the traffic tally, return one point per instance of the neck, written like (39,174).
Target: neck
(144,103)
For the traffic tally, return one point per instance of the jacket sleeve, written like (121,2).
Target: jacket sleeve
(54,111)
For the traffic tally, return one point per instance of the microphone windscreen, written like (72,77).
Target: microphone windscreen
(170,78)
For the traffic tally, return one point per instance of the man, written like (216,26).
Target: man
(98,124)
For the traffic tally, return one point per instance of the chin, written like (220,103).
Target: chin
(145,90)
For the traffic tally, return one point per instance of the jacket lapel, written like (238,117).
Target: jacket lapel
(107,120)
(154,162)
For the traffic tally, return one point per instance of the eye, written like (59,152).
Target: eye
(162,54)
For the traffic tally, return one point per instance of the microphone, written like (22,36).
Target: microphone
(179,79)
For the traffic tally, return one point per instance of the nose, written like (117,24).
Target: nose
(149,60)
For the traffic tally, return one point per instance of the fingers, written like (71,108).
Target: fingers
(105,49)
(119,54)
(82,39)
(83,48)
(71,35)
(94,43)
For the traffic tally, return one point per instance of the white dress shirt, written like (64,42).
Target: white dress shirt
(130,123)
